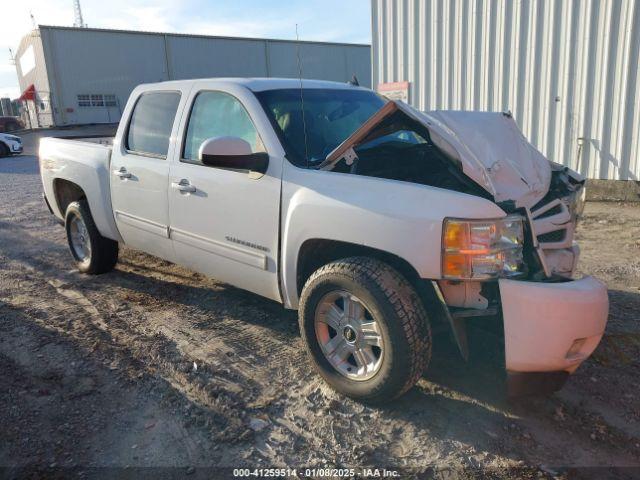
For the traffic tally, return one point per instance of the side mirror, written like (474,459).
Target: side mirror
(232,153)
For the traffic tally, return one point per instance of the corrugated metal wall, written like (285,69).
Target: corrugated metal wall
(567,69)
(83,61)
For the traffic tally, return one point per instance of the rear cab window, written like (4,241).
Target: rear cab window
(151,123)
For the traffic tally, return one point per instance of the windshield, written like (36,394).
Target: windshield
(330,116)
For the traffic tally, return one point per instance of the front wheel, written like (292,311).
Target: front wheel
(365,328)
(93,253)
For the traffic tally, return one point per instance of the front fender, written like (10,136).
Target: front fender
(401,218)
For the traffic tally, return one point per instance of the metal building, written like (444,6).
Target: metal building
(568,70)
(6,107)
(85,75)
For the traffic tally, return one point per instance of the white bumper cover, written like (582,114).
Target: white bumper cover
(552,327)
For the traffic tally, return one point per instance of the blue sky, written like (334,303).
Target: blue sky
(327,20)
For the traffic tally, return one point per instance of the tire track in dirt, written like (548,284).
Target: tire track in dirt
(249,376)
(151,320)
(249,373)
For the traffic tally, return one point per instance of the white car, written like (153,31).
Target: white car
(9,144)
(375,221)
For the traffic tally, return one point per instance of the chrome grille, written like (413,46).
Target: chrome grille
(553,224)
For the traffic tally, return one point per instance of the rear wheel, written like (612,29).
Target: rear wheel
(93,253)
(365,328)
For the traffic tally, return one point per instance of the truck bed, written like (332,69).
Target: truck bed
(99,139)
(85,163)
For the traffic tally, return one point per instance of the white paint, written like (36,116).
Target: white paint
(13,143)
(401,218)
(230,224)
(489,146)
(85,164)
(224,146)
(142,195)
(27,60)
(229,207)
(542,320)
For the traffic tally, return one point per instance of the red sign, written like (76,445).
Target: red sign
(29,93)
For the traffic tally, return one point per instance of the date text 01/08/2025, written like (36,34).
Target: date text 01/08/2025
(316,472)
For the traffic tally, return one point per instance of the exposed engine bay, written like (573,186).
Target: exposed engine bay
(421,163)
(401,148)
(477,153)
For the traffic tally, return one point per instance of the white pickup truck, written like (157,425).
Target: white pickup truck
(374,220)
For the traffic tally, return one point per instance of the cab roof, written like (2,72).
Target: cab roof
(262,84)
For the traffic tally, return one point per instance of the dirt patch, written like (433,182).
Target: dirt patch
(152,365)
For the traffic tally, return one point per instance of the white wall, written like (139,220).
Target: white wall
(31,56)
(93,61)
(568,70)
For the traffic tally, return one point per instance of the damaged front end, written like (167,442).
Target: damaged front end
(553,221)
(478,153)
(551,323)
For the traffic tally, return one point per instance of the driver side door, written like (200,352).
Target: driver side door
(224,221)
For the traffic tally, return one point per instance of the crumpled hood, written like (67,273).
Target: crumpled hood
(494,153)
(488,147)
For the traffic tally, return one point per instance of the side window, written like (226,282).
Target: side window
(151,123)
(218,114)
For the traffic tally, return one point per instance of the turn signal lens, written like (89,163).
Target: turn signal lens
(481,249)
(455,264)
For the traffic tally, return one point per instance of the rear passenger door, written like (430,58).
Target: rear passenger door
(140,171)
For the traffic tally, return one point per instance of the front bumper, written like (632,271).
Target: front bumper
(552,327)
(15,147)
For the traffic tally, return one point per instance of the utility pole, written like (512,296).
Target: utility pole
(77,15)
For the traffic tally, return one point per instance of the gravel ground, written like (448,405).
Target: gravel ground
(153,365)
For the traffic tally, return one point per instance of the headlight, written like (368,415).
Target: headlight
(482,249)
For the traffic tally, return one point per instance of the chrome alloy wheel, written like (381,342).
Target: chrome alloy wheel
(80,242)
(349,336)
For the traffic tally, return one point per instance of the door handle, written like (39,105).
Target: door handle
(122,173)
(183,186)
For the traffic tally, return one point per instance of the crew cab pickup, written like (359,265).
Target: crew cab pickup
(374,220)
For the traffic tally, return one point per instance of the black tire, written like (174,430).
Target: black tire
(103,253)
(399,312)
(4,150)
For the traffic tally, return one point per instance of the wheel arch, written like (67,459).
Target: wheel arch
(62,191)
(404,341)
(316,252)
(65,192)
